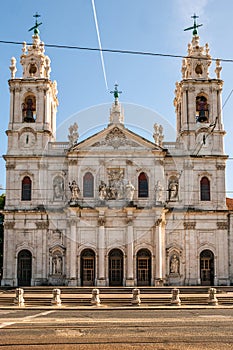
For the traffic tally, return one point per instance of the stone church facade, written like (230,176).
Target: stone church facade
(116,209)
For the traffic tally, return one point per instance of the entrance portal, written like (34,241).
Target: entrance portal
(144,267)
(115,264)
(88,268)
(207,268)
(24,273)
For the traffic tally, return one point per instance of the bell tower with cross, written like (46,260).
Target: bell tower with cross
(33,98)
(198,100)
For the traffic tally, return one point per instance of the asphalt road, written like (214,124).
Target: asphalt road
(116,329)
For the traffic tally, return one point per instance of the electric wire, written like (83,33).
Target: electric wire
(130,52)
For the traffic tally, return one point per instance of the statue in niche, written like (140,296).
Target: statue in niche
(174,264)
(158,192)
(58,188)
(28,109)
(102,191)
(173,189)
(75,191)
(57,265)
(129,191)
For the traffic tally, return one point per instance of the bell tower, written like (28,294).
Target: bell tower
(198,101)
(33,99)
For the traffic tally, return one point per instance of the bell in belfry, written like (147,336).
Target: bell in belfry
(202,118)
(202,109)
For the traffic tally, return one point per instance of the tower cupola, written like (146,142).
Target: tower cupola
(116,113)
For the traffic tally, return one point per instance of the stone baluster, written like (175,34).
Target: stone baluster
(95,299)
(175,297)
(212,300)
(56,300)
(19,299)
(136,297)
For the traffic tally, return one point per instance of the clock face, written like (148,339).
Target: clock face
(27,139)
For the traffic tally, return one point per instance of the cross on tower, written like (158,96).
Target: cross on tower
(116,92)
(35,27)
(195,25)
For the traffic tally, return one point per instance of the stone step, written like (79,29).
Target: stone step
(119,290)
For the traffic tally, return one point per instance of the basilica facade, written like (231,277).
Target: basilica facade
(116,209)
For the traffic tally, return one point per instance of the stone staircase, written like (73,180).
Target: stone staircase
(115,296)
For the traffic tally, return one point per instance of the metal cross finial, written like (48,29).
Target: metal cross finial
(195,25)
(35,27)
(116,92)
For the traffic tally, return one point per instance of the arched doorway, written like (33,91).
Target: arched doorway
(143,267)
(88,267)
(207,268)
(24,271)
(115,264)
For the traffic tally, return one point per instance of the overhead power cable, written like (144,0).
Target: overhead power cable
(130,52)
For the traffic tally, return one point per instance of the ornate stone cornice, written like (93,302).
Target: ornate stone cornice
(129,221)
(190,225)
(10,166)
(220,166)
(222,225)
(101,221)
(42,166)
(158,222)
(72,161)
(9,225)
(72,222)
(42,225)
(188,164)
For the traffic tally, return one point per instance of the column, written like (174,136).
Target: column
(160,252)
(9,255)
(72,258)
(101,281)
(130,253)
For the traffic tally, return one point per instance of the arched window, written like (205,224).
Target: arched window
(142,185)
(26,189)
(88,185)
(205,189)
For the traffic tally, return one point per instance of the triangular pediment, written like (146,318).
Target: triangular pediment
(115,137)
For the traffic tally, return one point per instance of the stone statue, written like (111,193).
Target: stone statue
(158,192)
(57,265)
(158,134)
(173,189)
(75,191)
(174,264)
(73,135)
(102,191)
(129,191)
(13,68)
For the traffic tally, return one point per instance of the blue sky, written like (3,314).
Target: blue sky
(149,82)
